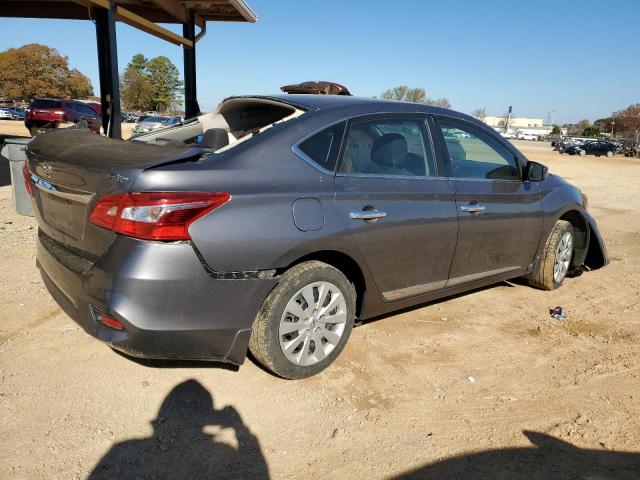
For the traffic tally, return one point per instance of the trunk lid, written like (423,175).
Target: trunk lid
(71,169)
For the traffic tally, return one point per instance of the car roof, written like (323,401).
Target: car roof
(325,102)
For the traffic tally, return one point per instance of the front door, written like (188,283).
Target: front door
(401,214)
(499,214)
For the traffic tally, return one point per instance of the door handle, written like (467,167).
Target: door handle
(367,215)
(473,208)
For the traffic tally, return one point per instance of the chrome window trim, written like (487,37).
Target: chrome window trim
(493,180)
(296,149)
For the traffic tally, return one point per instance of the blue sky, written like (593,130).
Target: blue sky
(579,58)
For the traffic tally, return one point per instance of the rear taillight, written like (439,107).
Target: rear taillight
(27,178)
(155,215)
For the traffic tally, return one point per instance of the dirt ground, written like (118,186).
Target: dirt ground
(483,385)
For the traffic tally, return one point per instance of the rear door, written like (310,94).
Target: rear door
(499,214)
(601,148)
(399,210)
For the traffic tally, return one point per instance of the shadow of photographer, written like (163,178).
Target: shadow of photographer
(181,446)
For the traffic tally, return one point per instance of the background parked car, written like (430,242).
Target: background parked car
(50,112)
(149,124)
(506,135)
(575,149)
(15,113)
(597,148)
(18,113)
(129,117)
(526,136)
(5,114)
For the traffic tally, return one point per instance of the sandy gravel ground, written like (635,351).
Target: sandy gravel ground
(484,385)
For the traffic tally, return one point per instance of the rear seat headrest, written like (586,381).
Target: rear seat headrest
(215,138)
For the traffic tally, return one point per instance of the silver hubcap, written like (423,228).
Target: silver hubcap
(563,257)
(313,323)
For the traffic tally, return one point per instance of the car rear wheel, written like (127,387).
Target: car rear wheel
(305,322)
(555,262)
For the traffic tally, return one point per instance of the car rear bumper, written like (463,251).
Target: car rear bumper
(169,305)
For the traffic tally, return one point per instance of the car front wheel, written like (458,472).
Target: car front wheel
(582,152)
(305,322)
(555,261)
(609,153)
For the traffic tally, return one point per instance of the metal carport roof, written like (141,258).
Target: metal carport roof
(141,14)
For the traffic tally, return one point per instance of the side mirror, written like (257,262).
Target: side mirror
(536,172)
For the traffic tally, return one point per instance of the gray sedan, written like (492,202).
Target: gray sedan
(274,222)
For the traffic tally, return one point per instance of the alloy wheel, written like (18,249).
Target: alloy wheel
(564,252)
(312,323)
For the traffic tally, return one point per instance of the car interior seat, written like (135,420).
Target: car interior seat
(357,155)
(391,154)
(215,138)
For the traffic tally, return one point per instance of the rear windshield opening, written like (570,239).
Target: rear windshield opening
(246,117)
(235,120)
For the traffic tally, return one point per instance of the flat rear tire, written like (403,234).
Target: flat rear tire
(555,261)
(305,322)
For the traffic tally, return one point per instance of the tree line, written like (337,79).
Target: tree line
(151,84)
(414,95)
(622,123)
(35,71)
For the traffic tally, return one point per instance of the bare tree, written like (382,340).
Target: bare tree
(478,113)
(627,120)
(442,103)
(414,95)
(396,93)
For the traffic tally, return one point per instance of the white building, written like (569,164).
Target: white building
(515,122)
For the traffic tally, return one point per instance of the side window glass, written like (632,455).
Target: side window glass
(324,146)
(388,147)
(84,109)
(474,154)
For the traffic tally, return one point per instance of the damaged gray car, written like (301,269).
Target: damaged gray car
(275,222)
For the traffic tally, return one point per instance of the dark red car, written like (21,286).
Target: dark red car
(50,112)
